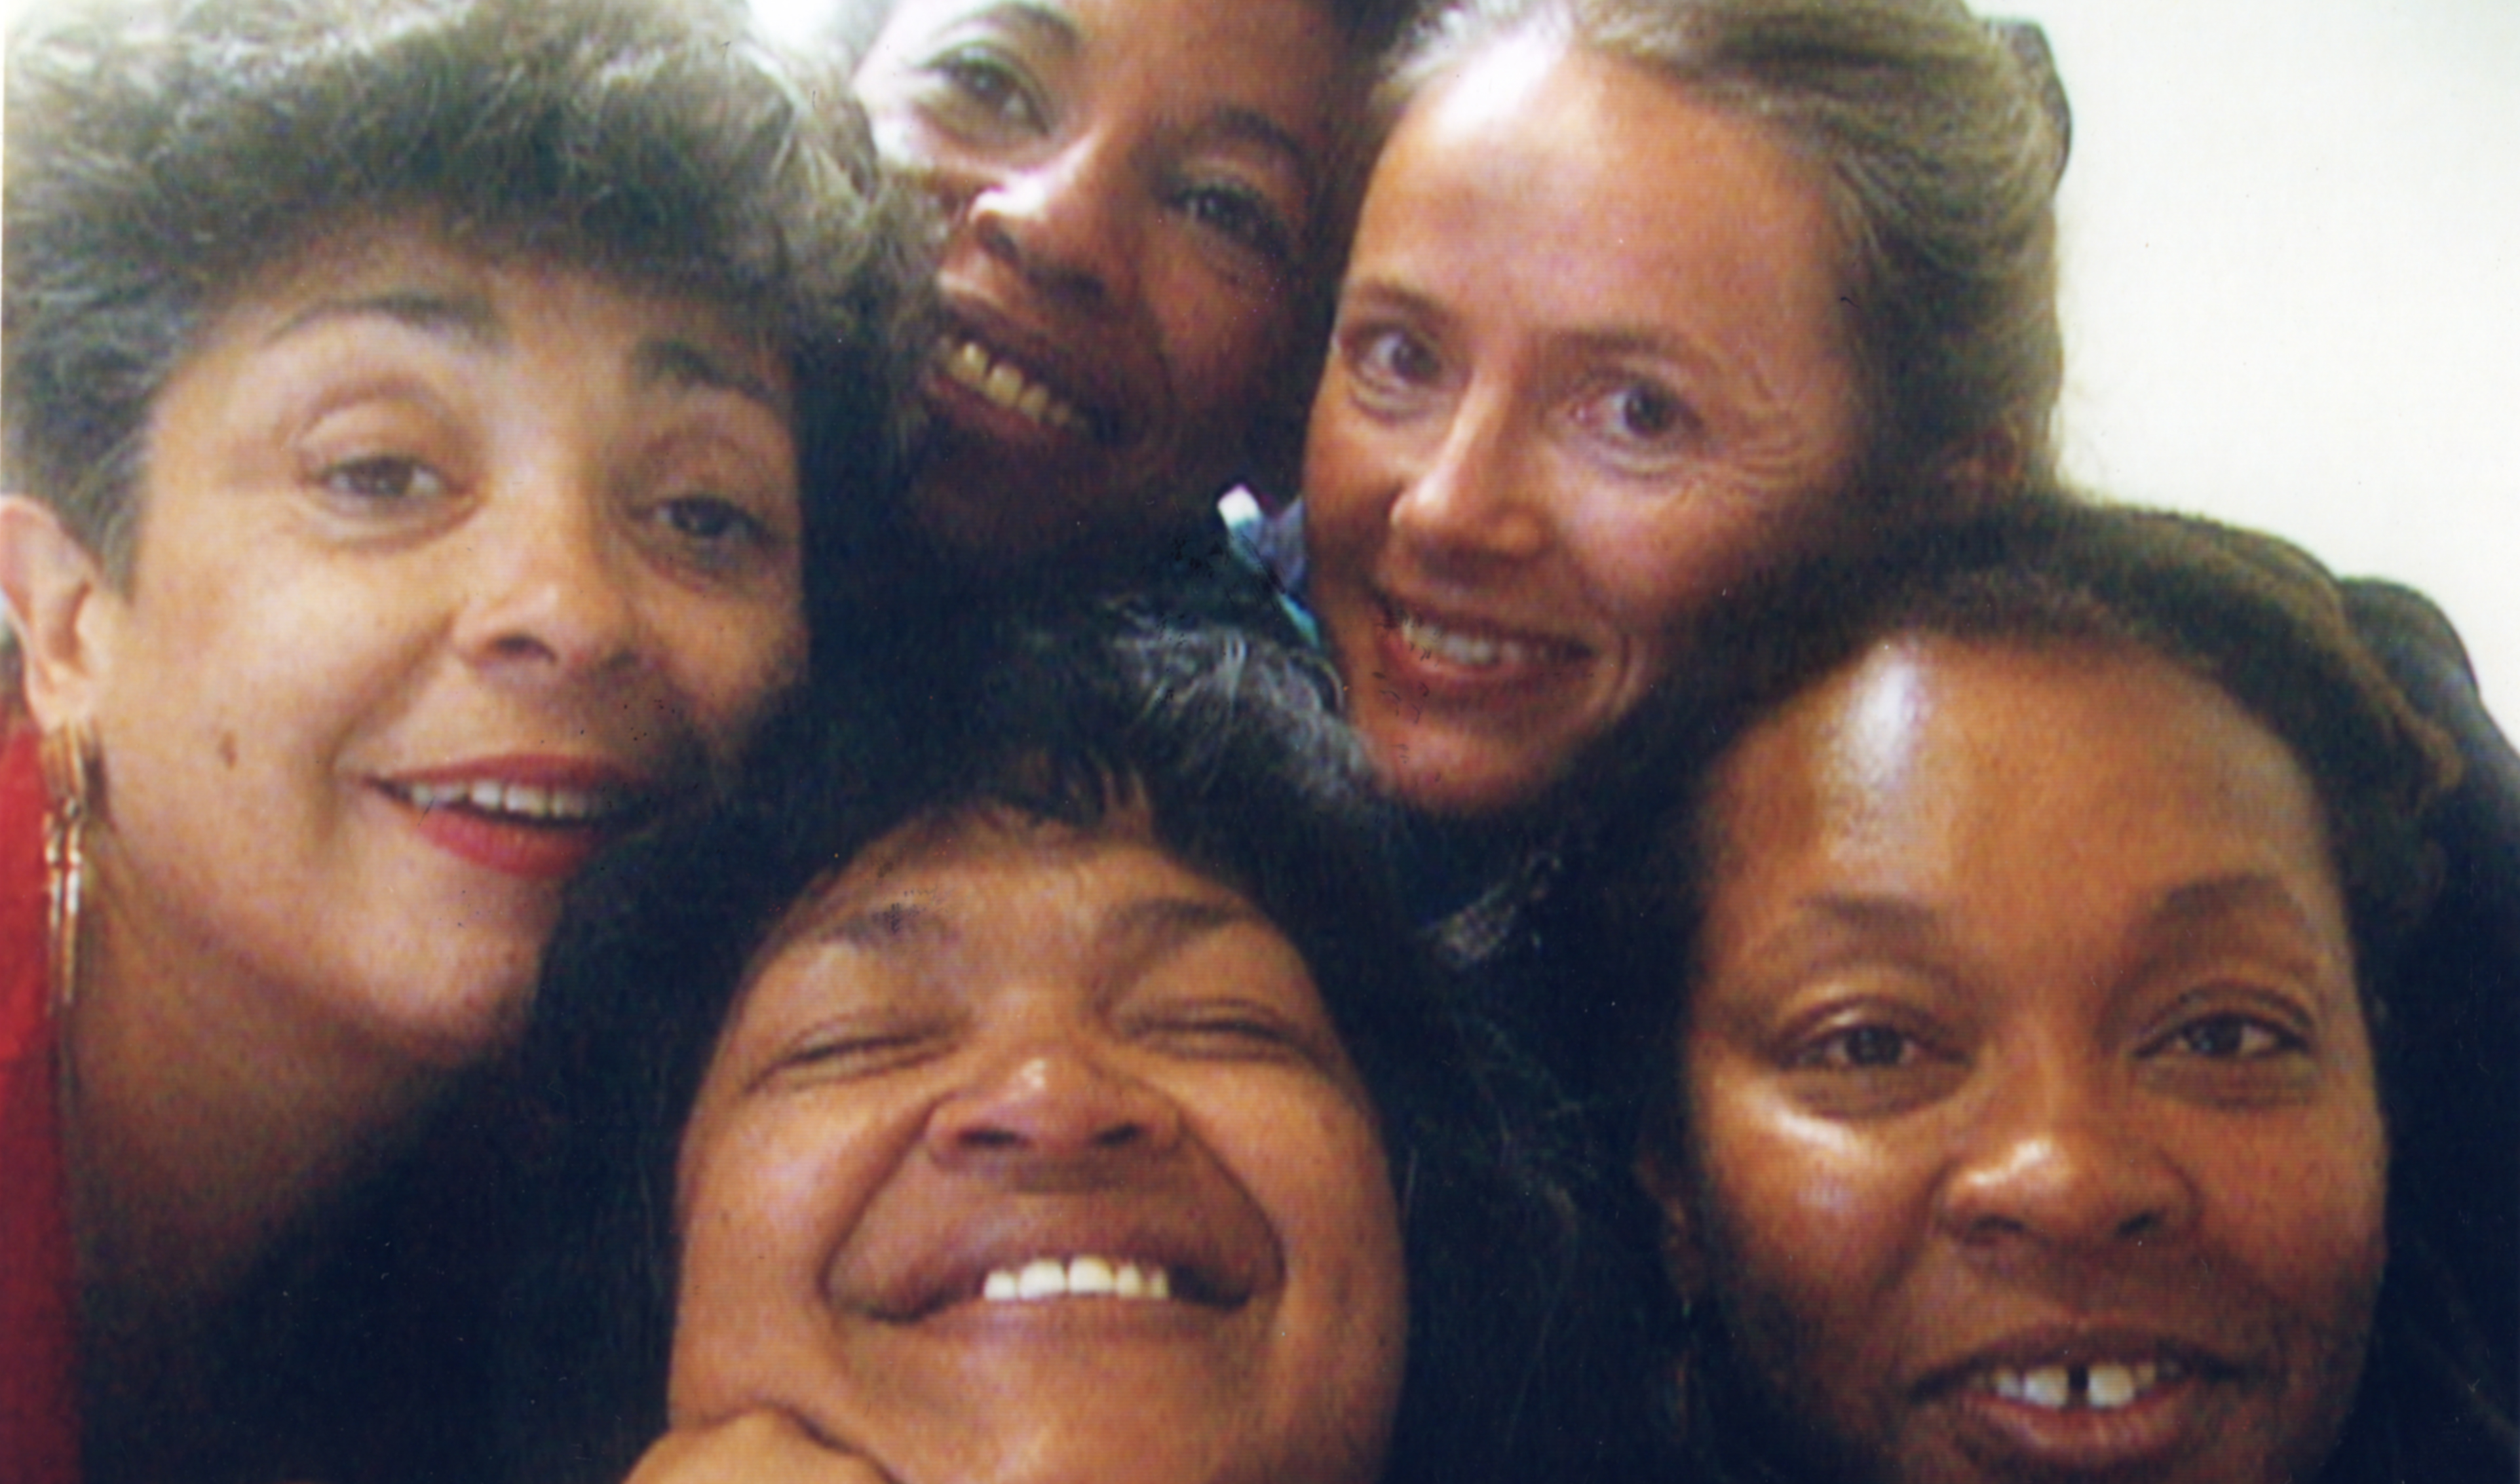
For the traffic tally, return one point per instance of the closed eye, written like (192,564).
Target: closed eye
(847,1052)
(1232,1030)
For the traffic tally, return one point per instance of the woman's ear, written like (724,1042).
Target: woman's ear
(52,587)
(1684,1259)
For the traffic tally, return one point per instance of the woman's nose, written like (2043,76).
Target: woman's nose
(2061,1161)
(1470,497)
(548,585)
(1053,1105)
(1063,223)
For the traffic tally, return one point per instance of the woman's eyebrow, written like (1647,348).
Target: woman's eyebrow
(2238,894)
(685,366)
(886,925)
(1048,25)
(457,316)
(1236,124)
(1169,919)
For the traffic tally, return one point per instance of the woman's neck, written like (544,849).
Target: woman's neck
(209,1116)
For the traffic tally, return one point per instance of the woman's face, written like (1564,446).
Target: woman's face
(1137,191)
(1587,376)
(2029,1108)
(445,569)
(1031,1154)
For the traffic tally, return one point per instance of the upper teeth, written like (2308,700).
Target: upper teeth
(1004,384)
(2104,1386)
(526,799)
(1076,1278)
(1468,649)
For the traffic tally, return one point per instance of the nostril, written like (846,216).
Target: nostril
(2141,1227)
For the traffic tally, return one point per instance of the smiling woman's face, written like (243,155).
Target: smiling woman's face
(448,567)
(1031,1154)
(1134,189)
(1587,377)
(2029,1112)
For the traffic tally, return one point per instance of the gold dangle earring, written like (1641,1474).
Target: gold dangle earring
(69,776)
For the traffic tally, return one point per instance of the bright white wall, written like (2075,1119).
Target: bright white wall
(2292,280)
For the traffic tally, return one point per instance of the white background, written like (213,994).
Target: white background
(2292,281)
(2292,278)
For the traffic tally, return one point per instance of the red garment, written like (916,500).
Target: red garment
(38,1284)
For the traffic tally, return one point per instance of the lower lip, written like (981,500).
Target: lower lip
(530,852)
(1061,1319)
(2153,1428)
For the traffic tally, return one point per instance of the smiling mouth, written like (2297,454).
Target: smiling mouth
(1470,651)
(1049,1278)
(998,380)
(521,803)
(2102,1388)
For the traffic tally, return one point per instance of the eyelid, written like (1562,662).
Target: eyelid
(2227,996)
(1365,346)
(1277,236)
(957,66)
(357,428)
(849,1048)
(1591,406)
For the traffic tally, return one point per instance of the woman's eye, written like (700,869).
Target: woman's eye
(990,85)
(1391,359)
(849,1053)
(707,519)
(2233,1038)
(1227,1032)
(382,477)
(714,532)
(1863,1048)
(1245,217)
(1638,413)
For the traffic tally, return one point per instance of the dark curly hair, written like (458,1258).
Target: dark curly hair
(2249,614)
(1231,745)
(163,153)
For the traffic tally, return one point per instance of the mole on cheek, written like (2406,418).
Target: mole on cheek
(228,748)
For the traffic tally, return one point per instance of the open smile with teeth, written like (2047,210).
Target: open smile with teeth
(1048,1277)
(528,803)
(1472,651)
(968,363)
(2102,1388)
